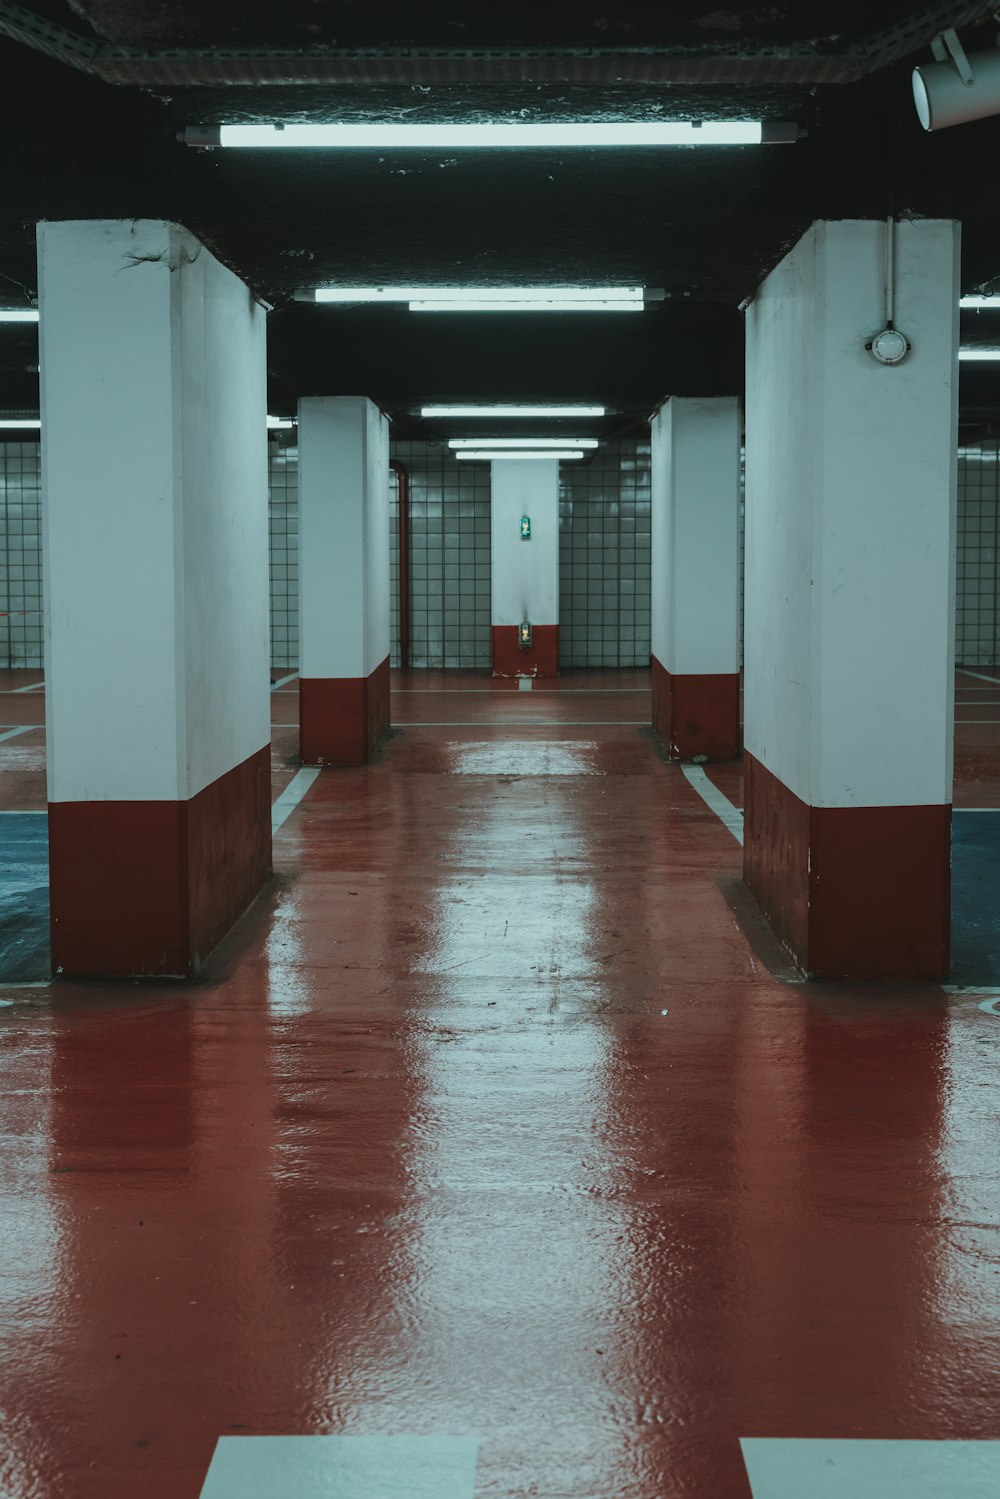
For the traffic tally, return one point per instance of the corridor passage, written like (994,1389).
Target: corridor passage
(490,1122)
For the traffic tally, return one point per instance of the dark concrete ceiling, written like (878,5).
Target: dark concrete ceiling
(706,225)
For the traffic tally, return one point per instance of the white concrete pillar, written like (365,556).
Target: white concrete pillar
(696,576)
(343,579)
(154,465)
(525,568)
(850,520)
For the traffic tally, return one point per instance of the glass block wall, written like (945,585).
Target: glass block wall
(604,558)
(449,558)
(21,640)
(977,628)
(283,476)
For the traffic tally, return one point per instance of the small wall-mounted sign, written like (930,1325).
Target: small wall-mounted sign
(524,635)
(525,527)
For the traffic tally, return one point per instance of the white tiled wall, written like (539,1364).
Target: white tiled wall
(977,629)
(283,469)
(449,558)
(604,558)
(20,555)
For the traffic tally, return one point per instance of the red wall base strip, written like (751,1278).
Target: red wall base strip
(697,714)
(343,719)
(147,889)
(541,659)
(853,892)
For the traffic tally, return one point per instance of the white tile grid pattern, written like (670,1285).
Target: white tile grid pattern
(20,555)
(449,558)
(977,636)
(283,476)
(604,557)
(598,625)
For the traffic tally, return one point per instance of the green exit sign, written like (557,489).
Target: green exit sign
(525,528)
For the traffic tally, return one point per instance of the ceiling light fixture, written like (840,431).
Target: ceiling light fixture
(979,302)
(956,89)
(513,411)
(280,423)
(8,422)
(522,442)
(18,315)
(488,455)
(494,135)
(534,304)
(479,293)
(982,354)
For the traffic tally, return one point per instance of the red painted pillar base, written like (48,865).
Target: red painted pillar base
(147,889)
(697,715)
(342,720)
(853,892)
(541,659)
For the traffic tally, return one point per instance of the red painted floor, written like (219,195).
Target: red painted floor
(490,1121)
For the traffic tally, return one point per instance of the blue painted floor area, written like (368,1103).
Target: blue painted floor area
(975,898)
(24,898)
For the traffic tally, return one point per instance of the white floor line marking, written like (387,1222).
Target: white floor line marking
(25,728)
(713,797)
(978,676)
(23,812)
(529,723)
(975,809)
(31,687)
(293,793)
(352,1467)
(961,722)
(284,725)
(283,680)
(853,1468)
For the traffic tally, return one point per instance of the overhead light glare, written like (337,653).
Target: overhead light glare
(18,315)
(535,305)
(488,455)
(280,423)
(8,422)
(494,135)
(522,442)
(513,411)
(479,294)
(979,302)
(982,355)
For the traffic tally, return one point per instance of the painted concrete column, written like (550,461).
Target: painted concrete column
(154,461)
(525,569)
(343,579)
(850,520)
(696,577)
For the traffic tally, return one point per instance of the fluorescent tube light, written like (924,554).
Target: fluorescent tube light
(980,302)
(513,411)
(18,315)
(980,354)
(522,442)
(493,134)
(537,305)
(479,293)
(280,423)
(487,455)
(20,421)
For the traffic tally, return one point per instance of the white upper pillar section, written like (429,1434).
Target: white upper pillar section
(154,461)
(343,537)
(695,535)
(850,518)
